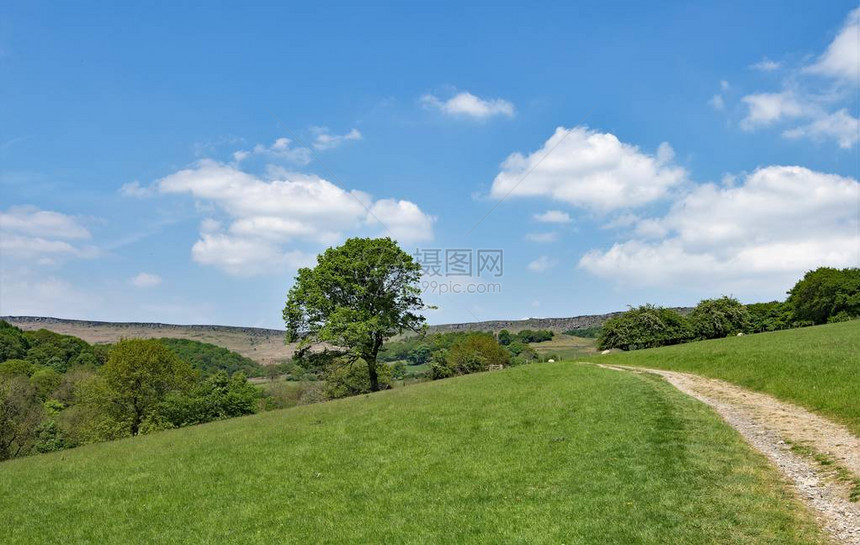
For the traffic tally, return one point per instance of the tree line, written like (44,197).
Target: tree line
(825,295)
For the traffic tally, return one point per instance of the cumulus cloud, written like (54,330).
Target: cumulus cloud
(553,216)
(465,104)
(540,264)
(589,169)
(841,60)
(30,234)
(779,222)
(403,218)
(324,140)
(266,215)
(145,280)
(245,255)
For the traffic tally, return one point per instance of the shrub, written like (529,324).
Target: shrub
(646,326)
(585,332)
(718,318)
(343,379)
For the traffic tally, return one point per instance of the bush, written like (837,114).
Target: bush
(645,327)
(841,317)
(585,332)
(718,318)
(476,352)
(534,336)
(343,379)
(218,397)
(772,316)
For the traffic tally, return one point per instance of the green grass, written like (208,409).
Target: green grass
(566,347)
(815,367)
(547,453)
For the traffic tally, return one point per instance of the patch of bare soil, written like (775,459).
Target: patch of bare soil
(772,427)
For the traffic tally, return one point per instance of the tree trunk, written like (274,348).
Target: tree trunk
(374,377)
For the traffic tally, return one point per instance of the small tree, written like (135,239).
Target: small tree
(358,294)
(505,337)
(138,375)
(718,318)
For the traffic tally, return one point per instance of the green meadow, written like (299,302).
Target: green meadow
(546,453)
(815,367)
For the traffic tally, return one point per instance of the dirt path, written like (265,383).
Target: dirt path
(769,425)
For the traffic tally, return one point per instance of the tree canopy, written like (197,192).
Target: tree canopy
(138,375)
(356,296)
(825,293)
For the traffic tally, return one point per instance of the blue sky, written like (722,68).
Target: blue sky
(177,163)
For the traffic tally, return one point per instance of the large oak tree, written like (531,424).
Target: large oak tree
(356,296)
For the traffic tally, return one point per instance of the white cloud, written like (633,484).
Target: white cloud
(29,220)
(266,215)
(246,256)
(550,236)
(841,60)
(406,222)
(768,108)
(465,104)
(589,169)
(839,126)
(135,190)
(553,216)
(281,148)
(766,65)
(30,234)
(24,293)
(541,264)
(145,280)
(323,140)
(819,109)
(780,222)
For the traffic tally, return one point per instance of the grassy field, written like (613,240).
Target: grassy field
(566,347)
(547,453)
(816,367)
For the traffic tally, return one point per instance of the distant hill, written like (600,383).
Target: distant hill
(265,346)
(557,325)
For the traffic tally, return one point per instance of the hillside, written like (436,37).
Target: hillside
(265,346)
(558,453)
(815,367)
